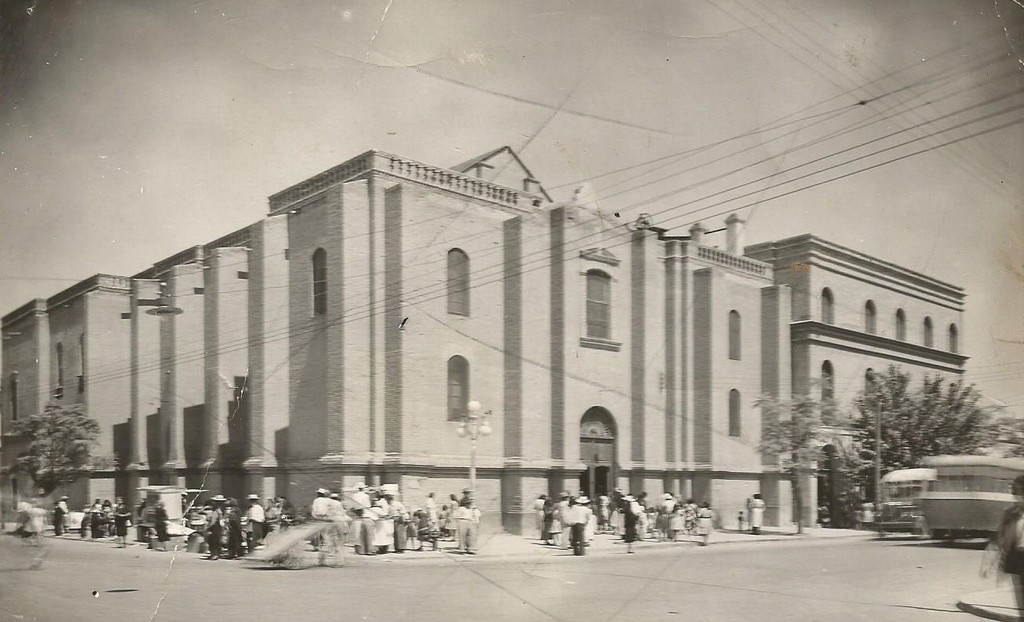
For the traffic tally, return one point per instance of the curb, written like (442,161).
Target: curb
(983,612)
(993,609)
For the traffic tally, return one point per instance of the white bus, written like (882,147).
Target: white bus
(969,495)
(901,493)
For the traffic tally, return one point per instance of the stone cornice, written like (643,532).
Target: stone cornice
(411,170)
(875,345)
(34,307)
(808,248)
(99,282)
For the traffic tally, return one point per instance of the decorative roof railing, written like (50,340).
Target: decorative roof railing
(736,262)
(404,168)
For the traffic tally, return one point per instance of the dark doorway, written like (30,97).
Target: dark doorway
(597,452)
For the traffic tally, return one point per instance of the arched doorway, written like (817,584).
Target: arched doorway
(597,452)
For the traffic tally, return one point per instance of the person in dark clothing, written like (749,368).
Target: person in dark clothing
(1005,550)
(160,526)
(58,517)
(234,517)
(96,520)
(122,519)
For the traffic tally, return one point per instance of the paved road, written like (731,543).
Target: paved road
(807,580)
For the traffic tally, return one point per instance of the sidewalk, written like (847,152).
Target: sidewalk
(503,546)
(997,604)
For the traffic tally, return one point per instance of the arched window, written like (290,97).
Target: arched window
(458,282)
(734,335)
(901,325)
(869,380)
(827,382)
(458,387)
(60,364)
(827,307)
(928,337)
(734,413)
(599,298)
(954,340)
(869,317)
(14,396)
(319,282)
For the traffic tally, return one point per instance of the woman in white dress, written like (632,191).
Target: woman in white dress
(383,527)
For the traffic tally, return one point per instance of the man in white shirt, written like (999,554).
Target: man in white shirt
(577,517)
(257,520)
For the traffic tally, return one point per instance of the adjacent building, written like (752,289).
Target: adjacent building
(341,338)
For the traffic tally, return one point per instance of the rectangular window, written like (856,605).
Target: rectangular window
(599,290)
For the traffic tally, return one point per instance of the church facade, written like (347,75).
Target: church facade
(341,338)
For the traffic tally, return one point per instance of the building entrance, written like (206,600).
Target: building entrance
(597,452)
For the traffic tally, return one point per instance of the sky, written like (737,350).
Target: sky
(132,130)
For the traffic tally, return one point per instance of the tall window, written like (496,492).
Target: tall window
(928,337)
(319,282)
(734,335)
(734,413)
(869,380)
(458,282)
(827,306)
(954,341)
(81,363)
(14,396)
(458,387)
(901,325)
(869,317)
(60,364)
(828,390)
(599,297)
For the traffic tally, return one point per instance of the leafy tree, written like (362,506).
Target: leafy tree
(59,445)
(939,417)
(795,431)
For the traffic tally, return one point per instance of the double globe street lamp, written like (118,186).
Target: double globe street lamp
(474,425)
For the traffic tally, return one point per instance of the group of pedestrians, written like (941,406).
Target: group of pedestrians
(633,518)
(233,529)
(379,522)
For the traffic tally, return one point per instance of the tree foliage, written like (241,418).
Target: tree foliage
(59,445)
(794,432)
(939,417)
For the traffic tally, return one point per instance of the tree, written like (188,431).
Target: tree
(59,445)
(794,431)
(939,417)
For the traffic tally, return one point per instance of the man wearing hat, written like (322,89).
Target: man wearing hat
(578,517)
(257,519)
(561,512)
(215,527)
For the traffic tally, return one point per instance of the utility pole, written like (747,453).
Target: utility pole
(878,463)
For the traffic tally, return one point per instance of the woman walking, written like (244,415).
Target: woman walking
(538,516)
(704,522)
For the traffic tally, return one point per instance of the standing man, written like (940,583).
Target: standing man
(577,517)
(561,511)
(401,517)
(60,512)
(215,527)
(257,521)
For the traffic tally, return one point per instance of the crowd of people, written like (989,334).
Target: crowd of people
(573,521)
(372,521)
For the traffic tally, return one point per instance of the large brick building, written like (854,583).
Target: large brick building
(340,338)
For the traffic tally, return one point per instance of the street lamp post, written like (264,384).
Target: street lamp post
(474,425)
